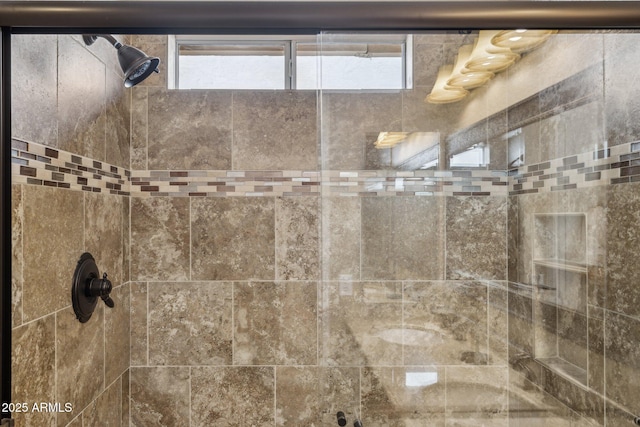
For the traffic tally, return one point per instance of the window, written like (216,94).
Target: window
(345,62)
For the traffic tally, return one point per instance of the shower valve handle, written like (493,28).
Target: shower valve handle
(101,288)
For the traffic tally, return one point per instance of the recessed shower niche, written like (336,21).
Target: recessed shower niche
(559,273)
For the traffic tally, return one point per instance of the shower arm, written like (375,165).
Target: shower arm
(90,39)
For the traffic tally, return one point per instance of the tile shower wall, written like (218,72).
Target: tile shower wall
(261,306)
(68,101)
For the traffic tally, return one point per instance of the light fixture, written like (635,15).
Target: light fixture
(443,94)
(463,78)
(390,139)
(135,64)
(522,40)
(488,57)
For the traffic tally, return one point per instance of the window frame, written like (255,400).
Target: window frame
(290,43)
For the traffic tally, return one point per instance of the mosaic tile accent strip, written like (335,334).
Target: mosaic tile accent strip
(37,164)
(615,165)
(41,165)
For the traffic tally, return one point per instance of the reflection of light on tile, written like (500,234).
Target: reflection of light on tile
(421,379)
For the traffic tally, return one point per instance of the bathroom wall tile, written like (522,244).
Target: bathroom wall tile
(33,369)
(125,398)
(139,328)
(513,234)
(427,58)
(34,100)
(498,321)
(359,323)
(81,102)
(190,323)
(154,45)
(572,337)
(126,241)
(617,416)
(391,247)
(341,237)
(476,228)
(103,233)
(477,394)
(621,98)
(297,396)
(546,328)
(596,331)
(264,313)
(80,360)
(159,396)
(582,85)
(623,242)
(275,130)
(578,398)
(497,129)
(622,360)
(118,122)
(117,322)
(387,400)
(17,282)
(189,130)
(232,396)
(584,127)
(298,240)
(106,410)
(449,321)
(313,395)
(347,121)
(51,248)
(233,238)
(139,127)
(160,238)
(521,327)
(420,116)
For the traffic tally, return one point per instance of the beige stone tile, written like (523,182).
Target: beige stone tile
(498,318)
(348,122)
(125,398)
(427,58)
(103,233)
(476,229)
(17,282)
(298,238)
(233,238)
(154,45)
(117,322)
(139,336)
(275,323)
(80,360)
(188,129)
(521,326)
(312,395)
(159,396)
(356,323)
(420,116)
(622,360)
(445,323)
(34,100)
(33,369)
(402,238)
(596,361)
(53,242)
(106,409)
(160,238)
(232,396)
(190,323)
(126,240)
(118,122)
(340,237)
(275,130)
(390,398)
(81,102)
(139,127)
(477,393)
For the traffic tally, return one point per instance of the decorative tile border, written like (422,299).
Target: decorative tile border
(37,164)
(615,165)
(41,165)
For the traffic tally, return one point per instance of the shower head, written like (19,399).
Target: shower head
(135,64)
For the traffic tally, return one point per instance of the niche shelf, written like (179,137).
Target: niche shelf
(559,272)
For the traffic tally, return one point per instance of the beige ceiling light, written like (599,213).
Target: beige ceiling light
(521,41)
(489,57)
(463,78)
(390,139)
(441,92)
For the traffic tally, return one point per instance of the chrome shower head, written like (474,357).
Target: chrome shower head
(135,64)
